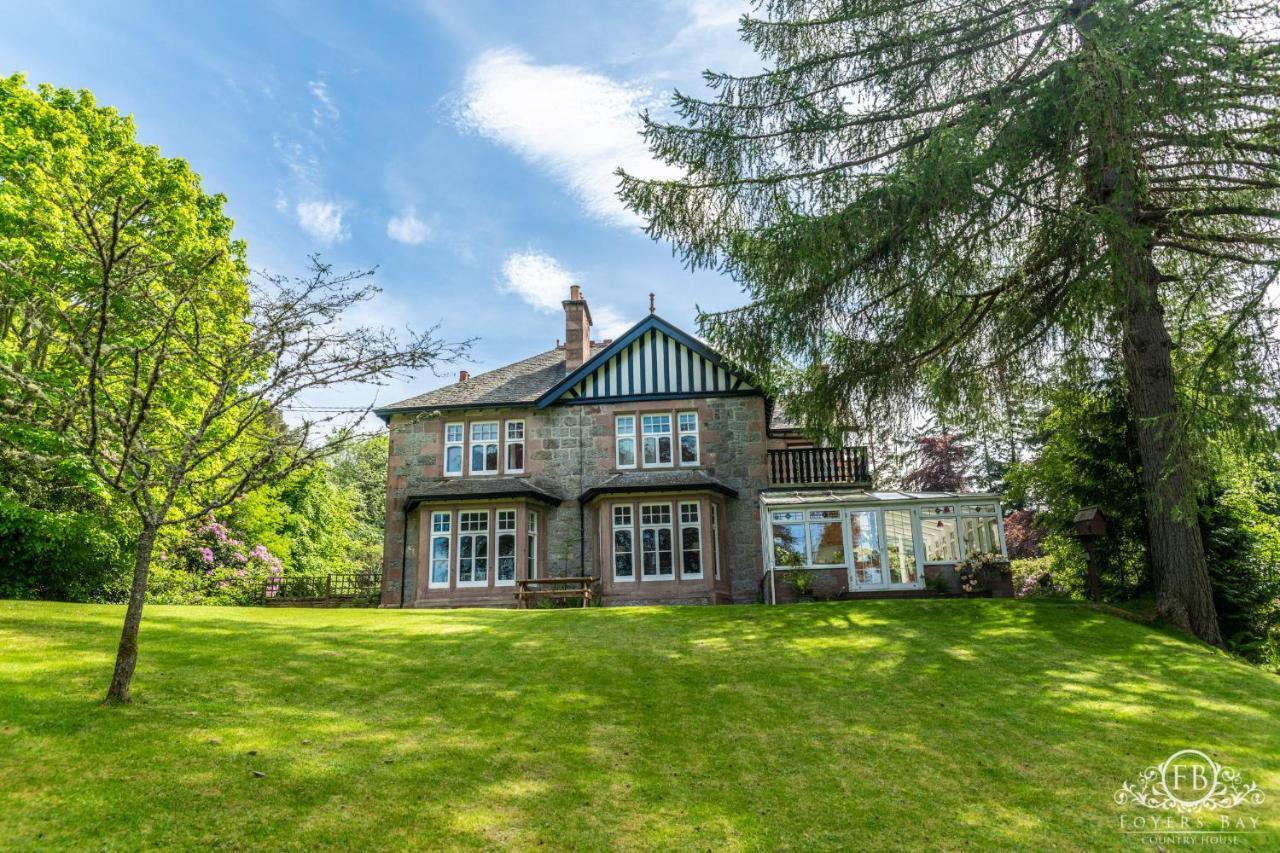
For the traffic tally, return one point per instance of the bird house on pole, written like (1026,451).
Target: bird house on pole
(1089,526)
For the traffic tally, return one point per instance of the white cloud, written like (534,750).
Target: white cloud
(543,283)
(323,221)
(325,107)
(408,228)
(577,125)
(536,278)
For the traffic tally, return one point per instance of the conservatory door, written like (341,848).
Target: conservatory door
(866,568)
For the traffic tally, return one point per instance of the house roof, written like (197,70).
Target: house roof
(786,495)
(483,488)
(658,481)
(518,384)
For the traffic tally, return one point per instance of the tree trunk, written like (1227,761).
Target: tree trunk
(127,652)
(1179,572)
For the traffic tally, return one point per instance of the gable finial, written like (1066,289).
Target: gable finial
(650,301)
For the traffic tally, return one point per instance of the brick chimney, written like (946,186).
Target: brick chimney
(463,376)
(577,329)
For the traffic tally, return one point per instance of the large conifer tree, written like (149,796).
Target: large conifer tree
(933,197)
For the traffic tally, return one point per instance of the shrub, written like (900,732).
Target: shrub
(1034,577)
(211,566)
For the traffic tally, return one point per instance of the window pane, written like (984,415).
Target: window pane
(453,432)
(650,450)
(688,422)
(626,452)
(515,430)
(940,539)
(665,561)
(453,459)
(491,457)
(901,546)
(484,432)
(477,457)
(788,544)
(507,557)
(688,449)
(515,457)
(981,536)
(664,449)
(788,516)
(626,425)
(826,543)
(482,558)
(622,560)
(688,513)
(691,550)
(622,516)
(979,509)
(440,560)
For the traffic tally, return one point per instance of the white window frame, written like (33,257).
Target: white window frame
(715,539)
(460,443)
(496,442)
(498,532)
(473,536)
(630,527)
(954,518)
(681,432)
(508,442)
(669,434)
(690,522)
(619,436)
(657,528)
(441,528)
(969,510)
(531,542)
(805,521)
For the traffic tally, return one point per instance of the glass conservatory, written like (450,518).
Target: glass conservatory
(882,540)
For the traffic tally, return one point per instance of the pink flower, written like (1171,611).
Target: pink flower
(206,554)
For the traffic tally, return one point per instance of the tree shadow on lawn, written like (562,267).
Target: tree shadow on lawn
(875,723)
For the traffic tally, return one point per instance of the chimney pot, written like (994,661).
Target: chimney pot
(463,376)
(575,292)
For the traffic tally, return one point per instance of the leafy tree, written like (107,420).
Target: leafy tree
(941,464)
(165,369)
(931,199)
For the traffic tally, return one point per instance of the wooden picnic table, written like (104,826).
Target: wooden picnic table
(565,588)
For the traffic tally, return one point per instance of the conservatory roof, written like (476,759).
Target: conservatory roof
(791,497)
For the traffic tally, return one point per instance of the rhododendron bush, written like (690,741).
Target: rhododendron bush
(211,565)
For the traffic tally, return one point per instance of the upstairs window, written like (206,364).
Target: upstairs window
(624,427)
(656,436)
(484,447)
(515,447)
(453,450)
(688,424)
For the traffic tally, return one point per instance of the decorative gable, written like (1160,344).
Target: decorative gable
(653,360)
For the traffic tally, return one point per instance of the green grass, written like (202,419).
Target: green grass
(878,724)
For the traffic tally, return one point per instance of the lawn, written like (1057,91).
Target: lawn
(878,724)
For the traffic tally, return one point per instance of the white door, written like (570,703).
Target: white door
(866,563)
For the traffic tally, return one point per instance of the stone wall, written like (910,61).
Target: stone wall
(569,449)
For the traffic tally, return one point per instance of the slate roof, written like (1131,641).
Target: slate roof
(472,488)
(518,384)
(658,481)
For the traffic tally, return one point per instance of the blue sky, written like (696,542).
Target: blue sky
(463,148)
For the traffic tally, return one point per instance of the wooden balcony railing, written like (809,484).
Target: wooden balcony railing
(804,466)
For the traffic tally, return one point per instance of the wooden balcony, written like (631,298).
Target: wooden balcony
(811,466)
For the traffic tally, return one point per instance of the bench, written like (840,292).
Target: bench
(572,588)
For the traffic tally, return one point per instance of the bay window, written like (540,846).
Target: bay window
(656,552)
(484,447)
(439,551)
(506,550)
(453,450)
(690,540)
(532,556)
(473,548)
(624,568)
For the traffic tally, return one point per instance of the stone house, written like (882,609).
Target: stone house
(647,463)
